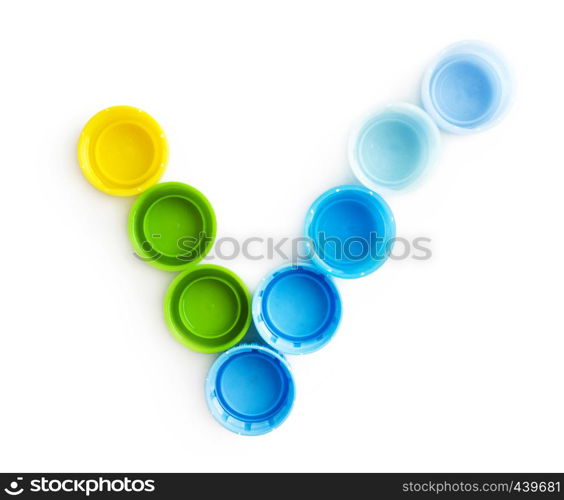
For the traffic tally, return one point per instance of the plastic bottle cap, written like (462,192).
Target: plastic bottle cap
(208,308)
(122,151)
(297,309)
(250,389)
(172,226)
(350,231)
(392,147)
(467,88)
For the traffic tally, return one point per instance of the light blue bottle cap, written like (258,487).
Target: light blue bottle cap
(297,309)
(349,231)
(393,147)
(467,88)
(250,389)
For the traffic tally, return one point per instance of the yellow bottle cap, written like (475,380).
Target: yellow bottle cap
(122,151)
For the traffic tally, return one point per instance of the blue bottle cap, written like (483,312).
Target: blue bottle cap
(392,147)
(250,389)
(467,88)
(297,309)
(349,231)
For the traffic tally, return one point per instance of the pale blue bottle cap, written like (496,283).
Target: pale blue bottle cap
(467,88)
(392,147)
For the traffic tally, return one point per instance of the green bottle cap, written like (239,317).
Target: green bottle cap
(172,226)
(208,308)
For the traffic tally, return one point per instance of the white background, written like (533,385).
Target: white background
(451,364)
